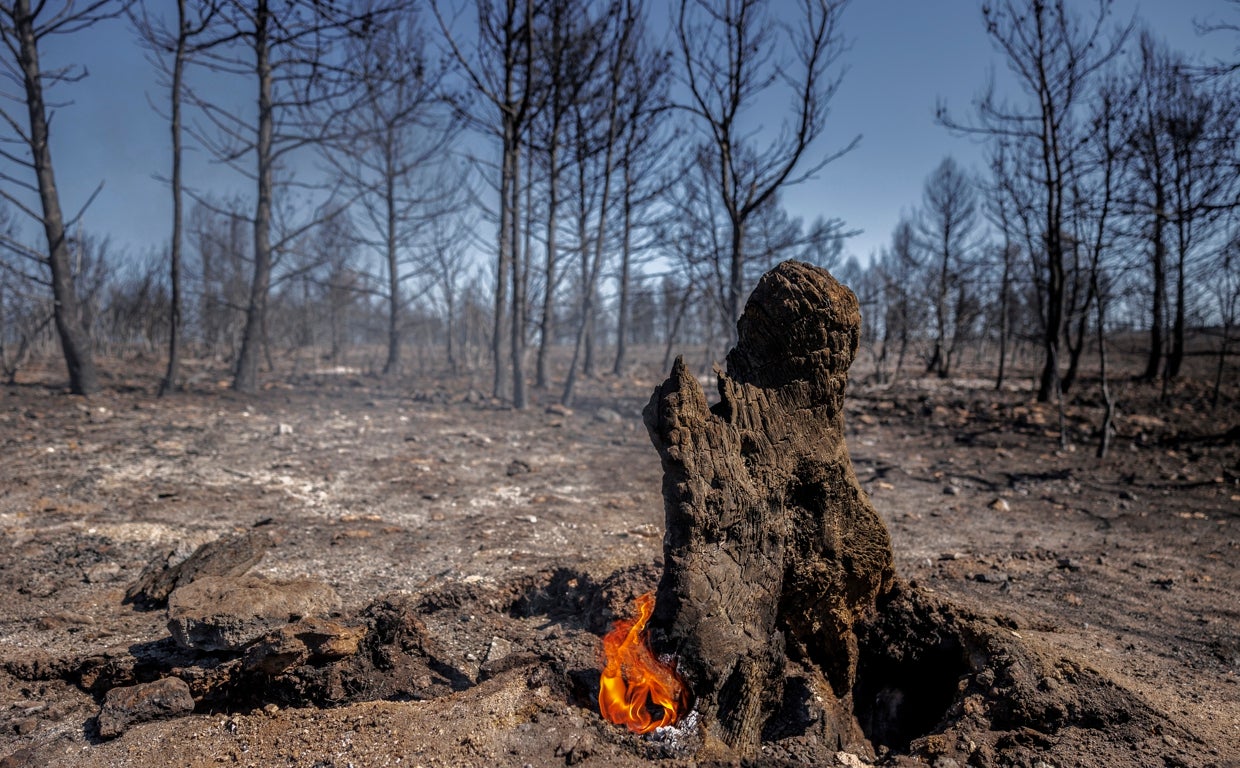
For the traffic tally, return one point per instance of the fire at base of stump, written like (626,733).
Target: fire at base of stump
(636,689)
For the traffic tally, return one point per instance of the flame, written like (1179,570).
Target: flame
(633,679)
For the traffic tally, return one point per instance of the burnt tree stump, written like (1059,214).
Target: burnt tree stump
(772,550)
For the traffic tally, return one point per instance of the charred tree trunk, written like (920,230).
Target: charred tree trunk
(245,378)
(1159,280)
(391,256)
(550,280)
(172,372)
(626,257)
(73,332)
(773,551)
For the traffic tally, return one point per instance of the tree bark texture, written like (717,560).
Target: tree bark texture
(772,552)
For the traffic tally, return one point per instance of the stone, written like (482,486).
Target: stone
(130,705)
(102,572)
(575,749)
(226,556)
(1000,505)
(309,641)
(217,613)
(607,416)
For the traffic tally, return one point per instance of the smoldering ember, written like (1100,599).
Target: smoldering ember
(338,572)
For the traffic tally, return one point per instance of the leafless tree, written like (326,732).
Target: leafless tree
(568,52)
(999,210)
(392,147)
(736,55)
(25,308)
(1095,232)
(133,313)
(1147,192)
(904,309)
(448,239)
(599,126)
(1225,287)
(1055,56)
(1203,126)
(193,18)
(647,140)
(500,70)
(947,232)
(699,233)
(219,239)
(292,52)
(24,29)
(1183,173)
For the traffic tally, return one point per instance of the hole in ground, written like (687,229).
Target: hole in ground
(908,674)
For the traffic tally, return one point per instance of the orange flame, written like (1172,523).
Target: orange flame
(633,679)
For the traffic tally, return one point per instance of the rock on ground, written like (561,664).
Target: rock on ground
(133,704)
(226,556)
(220,614)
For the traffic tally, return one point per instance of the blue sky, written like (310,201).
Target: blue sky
(905,55)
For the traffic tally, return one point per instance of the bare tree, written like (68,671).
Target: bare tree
(390,151)
(646,142)
(598,127)
(947,230)
(999,210)
(1148,189)
(735,56)
(26,310)
(568,52)
(1183,179)
(1203,127)
(448,239)
(1223,67)
(1054,56)
(219,239)
(24,29)
(1094,194)
(903,307)
(292,51)
(193,18)
(1226,293)
(501,72)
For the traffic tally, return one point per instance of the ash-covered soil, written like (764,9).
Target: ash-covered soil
(480,552)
